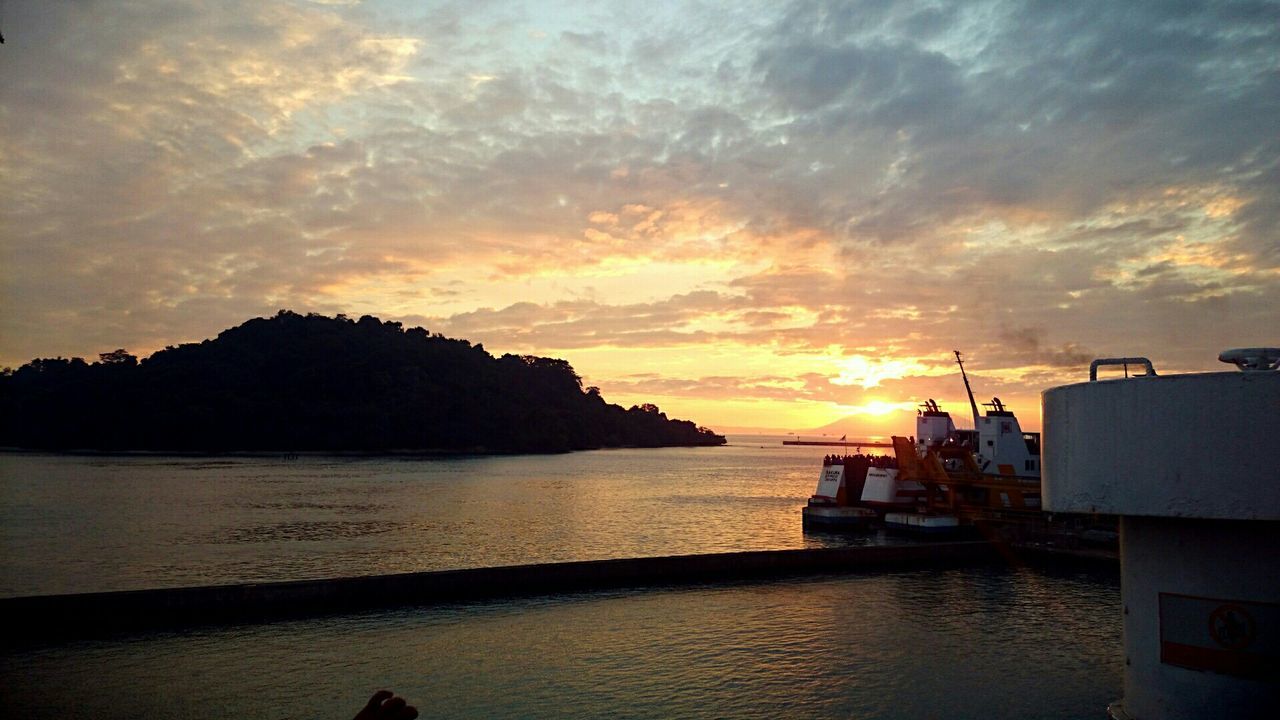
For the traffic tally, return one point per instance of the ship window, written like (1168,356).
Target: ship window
(1031,464)
(990,443)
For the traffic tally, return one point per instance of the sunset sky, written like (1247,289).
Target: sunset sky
(753,214)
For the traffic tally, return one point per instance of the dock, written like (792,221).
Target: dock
(51,618)
(838,443)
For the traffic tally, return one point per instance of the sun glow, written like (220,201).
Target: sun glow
(869,372)
(876,407)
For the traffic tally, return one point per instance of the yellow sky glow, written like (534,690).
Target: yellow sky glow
(680,219)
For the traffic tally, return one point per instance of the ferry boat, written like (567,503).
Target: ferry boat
(854,490)
(940,480)
(989,475)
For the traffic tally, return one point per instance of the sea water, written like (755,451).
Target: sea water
(92,523)
(974,642)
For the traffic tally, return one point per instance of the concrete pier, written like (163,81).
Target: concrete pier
(65,617)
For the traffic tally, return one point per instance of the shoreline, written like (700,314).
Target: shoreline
(478,451)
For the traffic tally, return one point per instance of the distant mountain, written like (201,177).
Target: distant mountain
(316,383)
(848,426)
(752,430)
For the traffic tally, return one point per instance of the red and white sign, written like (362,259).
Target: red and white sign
(1232,637)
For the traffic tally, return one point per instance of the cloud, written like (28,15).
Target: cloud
(1028,342)
(138,135)
(1032,110)
(787,183)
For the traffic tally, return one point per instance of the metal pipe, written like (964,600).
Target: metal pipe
(1093,366)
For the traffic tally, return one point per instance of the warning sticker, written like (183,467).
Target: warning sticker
(1232,637)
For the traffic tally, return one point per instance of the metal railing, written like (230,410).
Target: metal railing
(1125,361)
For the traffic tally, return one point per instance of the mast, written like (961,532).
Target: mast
(967,389)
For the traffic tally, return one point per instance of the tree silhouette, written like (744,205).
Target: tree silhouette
(293,382)
(117,357)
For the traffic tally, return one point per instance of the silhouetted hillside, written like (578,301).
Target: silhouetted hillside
(294,382)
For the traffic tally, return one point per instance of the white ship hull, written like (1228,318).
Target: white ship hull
(915,522)
(837,516)
(883,489)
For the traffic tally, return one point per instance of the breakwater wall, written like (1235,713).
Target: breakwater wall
(61,617)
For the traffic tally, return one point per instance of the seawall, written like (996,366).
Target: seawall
(62,617)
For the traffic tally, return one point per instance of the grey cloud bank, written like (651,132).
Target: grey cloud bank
(1035,181)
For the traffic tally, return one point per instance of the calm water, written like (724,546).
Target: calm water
(78,524)
(946,644)
(987,643)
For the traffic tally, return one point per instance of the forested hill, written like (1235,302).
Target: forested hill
(315,383)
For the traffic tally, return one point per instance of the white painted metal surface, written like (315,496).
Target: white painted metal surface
(921,523)
(1200,445)
(829,481)
(881,487)
(838,515)
(1252,359)
(1189,464)
(1002,448)
(934,427)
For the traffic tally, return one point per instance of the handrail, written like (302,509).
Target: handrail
(1126,361)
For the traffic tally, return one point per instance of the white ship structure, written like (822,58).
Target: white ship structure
(938,479)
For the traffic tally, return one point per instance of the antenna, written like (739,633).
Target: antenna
(967,389)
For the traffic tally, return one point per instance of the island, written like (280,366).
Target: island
(313,383)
